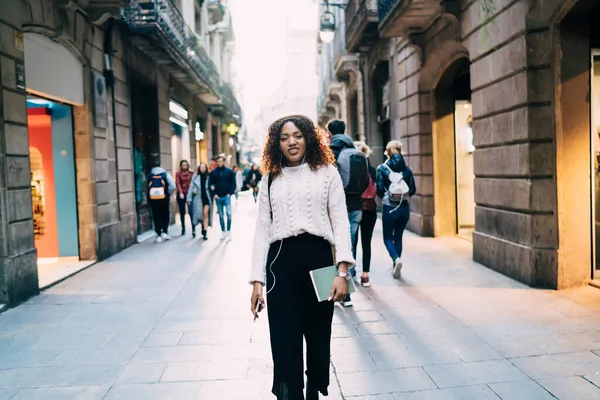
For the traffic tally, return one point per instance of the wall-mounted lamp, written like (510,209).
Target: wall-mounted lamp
(327,27)
(327,24)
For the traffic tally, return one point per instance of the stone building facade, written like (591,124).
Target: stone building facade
(521,70)
(117,80)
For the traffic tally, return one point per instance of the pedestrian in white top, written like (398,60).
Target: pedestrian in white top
(239,182)
(302,226)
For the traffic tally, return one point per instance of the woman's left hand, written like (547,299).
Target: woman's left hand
(339,289)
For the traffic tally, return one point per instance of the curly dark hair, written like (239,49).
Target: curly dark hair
(318,153)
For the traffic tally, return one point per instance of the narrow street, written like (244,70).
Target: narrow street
(172,321)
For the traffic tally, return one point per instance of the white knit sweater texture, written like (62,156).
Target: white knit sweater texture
(303,201)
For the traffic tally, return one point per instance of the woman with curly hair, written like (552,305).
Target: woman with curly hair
(302,218)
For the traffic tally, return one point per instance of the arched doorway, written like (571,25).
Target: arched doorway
(452,139)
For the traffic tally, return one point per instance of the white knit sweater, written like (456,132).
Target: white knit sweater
(303,201)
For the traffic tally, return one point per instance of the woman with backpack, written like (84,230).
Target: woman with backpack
(302,226)
(198,199)
(253,180)
(369,217)
(395,185)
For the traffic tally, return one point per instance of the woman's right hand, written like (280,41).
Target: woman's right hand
(257,295)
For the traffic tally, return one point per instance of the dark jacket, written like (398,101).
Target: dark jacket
(338,143)
(253,174)
(397,164)
(223,180)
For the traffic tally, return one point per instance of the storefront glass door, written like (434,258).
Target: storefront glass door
(595,164)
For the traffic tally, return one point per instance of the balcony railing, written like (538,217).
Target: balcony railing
(229,101)
(361,20)
(162,17)
(385,7)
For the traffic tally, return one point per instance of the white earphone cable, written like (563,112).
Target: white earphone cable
(278,251)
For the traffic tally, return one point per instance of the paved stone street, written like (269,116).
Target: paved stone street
(171,321)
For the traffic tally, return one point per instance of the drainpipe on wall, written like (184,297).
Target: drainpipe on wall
(110,82)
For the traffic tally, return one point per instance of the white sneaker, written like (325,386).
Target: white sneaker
(223,236)
(165,236)
(228,237)
(158,239)
(397,271)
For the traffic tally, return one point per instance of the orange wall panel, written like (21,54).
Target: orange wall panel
(40,137)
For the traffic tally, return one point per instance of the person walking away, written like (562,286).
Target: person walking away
(253,180)
(239,181)
(395,185)
(198,200)
(160,188)
(222,187)
(369,217)
(302,225)
(183,178)
(354,170)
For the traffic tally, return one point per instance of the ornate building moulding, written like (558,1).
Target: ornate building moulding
(345,65)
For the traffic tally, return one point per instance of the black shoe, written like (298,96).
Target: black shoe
(347,302)
(183,232)
(194,234)
(204,235)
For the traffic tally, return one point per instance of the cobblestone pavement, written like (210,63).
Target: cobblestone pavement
(171,321)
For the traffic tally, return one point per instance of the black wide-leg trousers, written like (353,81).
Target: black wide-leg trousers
(295,315)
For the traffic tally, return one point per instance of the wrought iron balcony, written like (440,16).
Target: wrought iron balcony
(216,9)
(361,25)
(229,101)
(162,20)
(400,17)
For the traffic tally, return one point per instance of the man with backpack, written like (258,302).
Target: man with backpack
(160,187)
(353,167)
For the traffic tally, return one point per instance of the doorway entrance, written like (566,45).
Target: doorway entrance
(54,83)
(53,188)
(595,159)
(454,178)
(144,128)
(381,84)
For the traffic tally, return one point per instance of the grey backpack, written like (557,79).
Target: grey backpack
(354,170)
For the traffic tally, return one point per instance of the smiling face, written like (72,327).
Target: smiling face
(292,143)
(185,166)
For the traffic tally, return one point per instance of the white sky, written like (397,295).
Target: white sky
(260,39)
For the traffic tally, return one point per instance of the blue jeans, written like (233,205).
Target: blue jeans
(224,207)
(354,217)
(394,222)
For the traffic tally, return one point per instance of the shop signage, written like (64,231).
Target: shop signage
(20,75)
(100,106)
(232,129)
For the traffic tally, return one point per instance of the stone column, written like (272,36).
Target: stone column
(18,259)
(209,136)
(360,100)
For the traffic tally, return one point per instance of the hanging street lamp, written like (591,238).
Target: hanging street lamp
(327,24)
(327,27)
